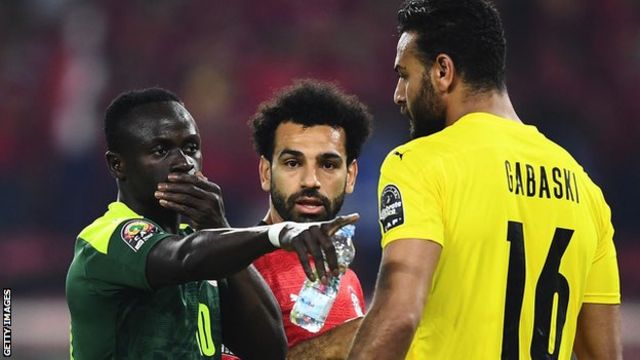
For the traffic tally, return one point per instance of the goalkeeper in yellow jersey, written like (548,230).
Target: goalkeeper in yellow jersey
(496,243)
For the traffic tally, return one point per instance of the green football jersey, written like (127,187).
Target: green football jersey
(115,314)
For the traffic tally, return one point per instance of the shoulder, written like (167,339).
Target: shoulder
(119,221)
(418,153)
(415,163)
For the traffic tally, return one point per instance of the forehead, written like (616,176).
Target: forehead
(406,51)
(160,119)
(311,141)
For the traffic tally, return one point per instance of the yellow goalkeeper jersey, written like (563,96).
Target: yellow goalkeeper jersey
(526,239)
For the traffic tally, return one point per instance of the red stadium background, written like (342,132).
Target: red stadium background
(573,71)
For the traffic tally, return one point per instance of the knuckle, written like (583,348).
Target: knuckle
(179,207)
(179,198)
(328,246)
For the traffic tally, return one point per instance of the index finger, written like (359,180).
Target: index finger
(332,226)
(197,179)
(183,177)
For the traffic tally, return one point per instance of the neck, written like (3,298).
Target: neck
(167,219)
(494,102)
(272,216)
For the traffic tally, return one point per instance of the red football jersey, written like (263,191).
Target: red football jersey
(284,275)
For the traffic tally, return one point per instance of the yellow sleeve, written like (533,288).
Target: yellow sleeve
(410,198)
(603,281)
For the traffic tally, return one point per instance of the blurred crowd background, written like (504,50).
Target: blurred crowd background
(573,71)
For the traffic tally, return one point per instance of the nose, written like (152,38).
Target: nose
(310,178)
(181,162)
(400,95)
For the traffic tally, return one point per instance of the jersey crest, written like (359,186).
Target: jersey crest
(136,232)
(391,210)
(355,301)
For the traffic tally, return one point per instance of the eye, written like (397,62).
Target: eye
(191,148)
(292,163)
(159,150)
(329,165)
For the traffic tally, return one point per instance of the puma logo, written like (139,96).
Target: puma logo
(400,155)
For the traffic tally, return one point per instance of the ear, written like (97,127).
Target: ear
(264,169)
(443,73)
(352,173)
(116,164)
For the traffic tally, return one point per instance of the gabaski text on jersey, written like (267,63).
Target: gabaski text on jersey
(540,181)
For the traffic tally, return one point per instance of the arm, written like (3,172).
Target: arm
(218,253)
(205,254)
(251,319)
(598,332)
(598,326)
(333,344)
(406,271)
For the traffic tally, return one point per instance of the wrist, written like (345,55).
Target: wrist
(274,233)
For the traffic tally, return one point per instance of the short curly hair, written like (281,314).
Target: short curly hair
(469,31)
(308,103)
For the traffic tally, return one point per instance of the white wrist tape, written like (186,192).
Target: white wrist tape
(274,233)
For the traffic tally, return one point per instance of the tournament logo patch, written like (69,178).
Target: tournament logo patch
(391,210)
(136,232)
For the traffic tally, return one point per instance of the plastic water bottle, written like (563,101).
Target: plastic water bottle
(315,299)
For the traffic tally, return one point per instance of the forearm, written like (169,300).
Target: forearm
(251,317)
(219,253)
(333,344)
(598,332)
(383,334)
(401,294)
(207,254)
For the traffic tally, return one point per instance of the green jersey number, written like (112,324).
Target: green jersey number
(203,335)
(551,288)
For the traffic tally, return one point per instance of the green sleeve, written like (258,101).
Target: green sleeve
(125,261)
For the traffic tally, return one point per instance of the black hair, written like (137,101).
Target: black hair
(469,31)
(308,103)
(121,106)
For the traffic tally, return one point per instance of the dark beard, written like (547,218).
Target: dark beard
(284,206)
(428,116)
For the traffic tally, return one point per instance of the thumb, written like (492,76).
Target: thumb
(333,225)
(201,176)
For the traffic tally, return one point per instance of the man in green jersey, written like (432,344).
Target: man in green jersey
(142,282)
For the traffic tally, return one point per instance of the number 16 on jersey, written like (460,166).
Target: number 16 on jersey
(551,287)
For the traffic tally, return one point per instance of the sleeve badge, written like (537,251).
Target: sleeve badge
(391,210)
(136,232)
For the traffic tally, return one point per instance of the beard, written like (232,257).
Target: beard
(427,115)
(285,205)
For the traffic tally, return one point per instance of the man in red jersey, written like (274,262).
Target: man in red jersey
(308,138)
